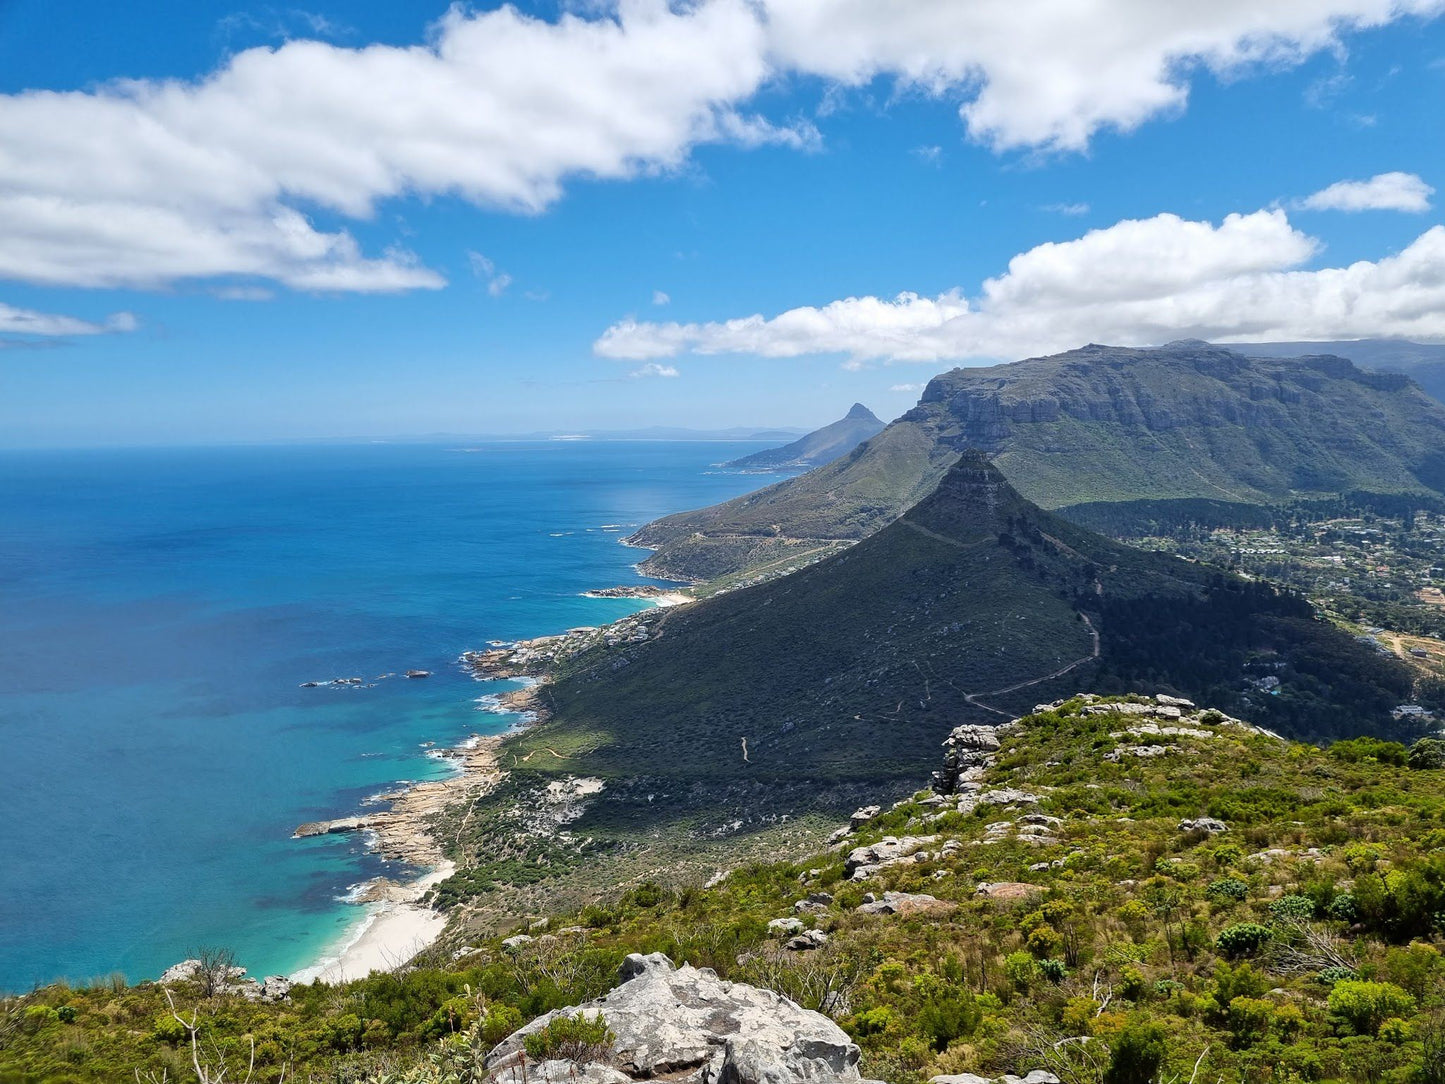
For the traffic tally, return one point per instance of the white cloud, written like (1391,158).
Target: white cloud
(15,321)
(1382,192)
(143,183)
(1138,282)
(660,298)
(248,171)
(653,369)
(484,269)
(931,154)
(1071,209)
(1051,73)
(907,387)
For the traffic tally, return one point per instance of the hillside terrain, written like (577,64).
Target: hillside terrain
(818,447)
(1099,424)
(740,723)
(1112,890)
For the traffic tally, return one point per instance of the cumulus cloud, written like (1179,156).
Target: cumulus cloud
(907,387)
(1051,73)
(249,171)
(1382,192)
(143,183)
(653,369)
(29,322)
(1138,282)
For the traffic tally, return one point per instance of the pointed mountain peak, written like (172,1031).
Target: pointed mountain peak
(862,413)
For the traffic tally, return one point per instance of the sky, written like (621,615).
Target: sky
(223,222)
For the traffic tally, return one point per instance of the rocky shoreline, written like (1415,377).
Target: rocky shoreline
(402,924)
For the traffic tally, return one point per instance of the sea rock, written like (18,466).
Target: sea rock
(326,828)
(1203,824)
(688,1025)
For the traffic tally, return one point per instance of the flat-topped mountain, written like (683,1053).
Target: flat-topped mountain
(970,606)
(818,447)
(1423,363)
(1098,424)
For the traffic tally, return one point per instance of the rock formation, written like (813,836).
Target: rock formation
(685,1024)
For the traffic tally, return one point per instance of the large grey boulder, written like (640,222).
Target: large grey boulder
(688,1025)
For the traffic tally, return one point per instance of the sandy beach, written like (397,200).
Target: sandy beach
(399,925)
(394,932)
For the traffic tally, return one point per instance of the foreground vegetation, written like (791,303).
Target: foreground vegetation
(1302,942)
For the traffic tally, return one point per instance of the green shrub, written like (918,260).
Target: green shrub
(1053,970)
(1249,1019)
(571,1038)
(1364,1006)
(950,1014)
(1242,939)
(1427,753)
(1295,908)
(1356,750)
(1344,908)
(1021,969)
(1136,1055)
(1227,888)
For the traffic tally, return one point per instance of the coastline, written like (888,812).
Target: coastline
(398,924)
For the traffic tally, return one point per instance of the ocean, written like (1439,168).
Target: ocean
(159,610)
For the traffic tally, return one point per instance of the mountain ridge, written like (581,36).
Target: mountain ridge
(1097,424)
(818,447)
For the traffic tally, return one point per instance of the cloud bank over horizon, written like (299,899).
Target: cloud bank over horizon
(1139,282)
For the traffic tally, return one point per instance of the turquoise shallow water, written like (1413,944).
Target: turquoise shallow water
(161,608)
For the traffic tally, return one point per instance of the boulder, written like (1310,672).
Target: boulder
(863,816)
(809,939)
(785,927)
(1008,891)
(1203,824)
(863,862)
(686,1024)
(907,903)
(517,943)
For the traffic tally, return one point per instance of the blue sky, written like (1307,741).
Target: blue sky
(383,219)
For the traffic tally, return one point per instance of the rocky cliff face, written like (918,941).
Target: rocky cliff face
(1098,424)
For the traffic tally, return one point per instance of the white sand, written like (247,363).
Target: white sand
(672,598)
(388,937)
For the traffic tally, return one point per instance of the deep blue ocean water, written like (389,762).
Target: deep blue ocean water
(158,611)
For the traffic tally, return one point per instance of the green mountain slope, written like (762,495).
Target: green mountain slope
(818,447)
(1099,424)
(972,606)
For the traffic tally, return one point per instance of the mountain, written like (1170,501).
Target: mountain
(1099,424)
(972,606)
(1423,363)
(818,447)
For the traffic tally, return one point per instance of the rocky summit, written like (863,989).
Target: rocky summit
(685,1024)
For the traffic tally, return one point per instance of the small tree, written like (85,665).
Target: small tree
(1136,1055)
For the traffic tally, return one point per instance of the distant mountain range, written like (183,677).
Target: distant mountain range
(973,605)
(1422,362)
(1099,424)
(818,447)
